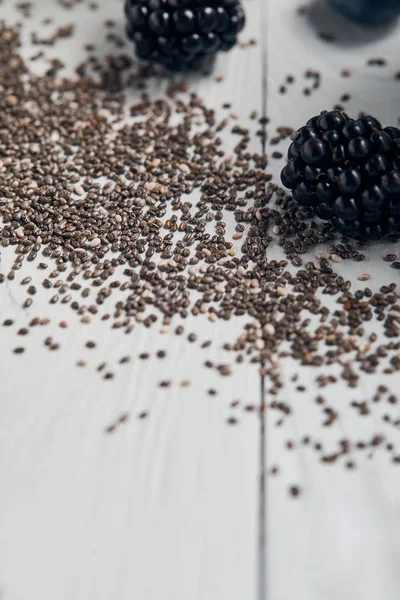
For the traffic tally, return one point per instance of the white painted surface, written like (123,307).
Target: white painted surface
(341,539)
(167,507)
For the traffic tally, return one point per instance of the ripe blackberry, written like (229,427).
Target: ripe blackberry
(183,34)
(348,170)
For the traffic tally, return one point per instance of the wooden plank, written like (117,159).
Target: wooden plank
(340,539)
(164,507)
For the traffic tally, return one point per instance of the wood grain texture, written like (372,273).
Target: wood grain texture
(164,507)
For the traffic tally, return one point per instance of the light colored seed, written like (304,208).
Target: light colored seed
(343,360)
(15,63)
(78,189)
(237,236)
(212,317)
(276,230)
(232,251)
(184,168)
(186,383)
(281,291)
(95,242)
(269,329)
(335,258)
(12,100)
(364,277)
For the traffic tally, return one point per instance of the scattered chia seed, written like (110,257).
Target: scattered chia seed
(376,62)
(294,491)
(124,360)
(121,218)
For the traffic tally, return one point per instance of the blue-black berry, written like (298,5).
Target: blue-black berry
(348,170)
(183,34)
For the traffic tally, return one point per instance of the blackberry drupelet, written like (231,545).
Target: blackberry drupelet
(348,170)
(183,34)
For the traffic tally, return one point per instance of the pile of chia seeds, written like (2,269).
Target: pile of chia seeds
(127,212)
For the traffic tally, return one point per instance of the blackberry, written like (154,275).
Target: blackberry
(183,34)
(348,171)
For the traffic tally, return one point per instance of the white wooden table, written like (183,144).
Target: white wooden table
(178,506)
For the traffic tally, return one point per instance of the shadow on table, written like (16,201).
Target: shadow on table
(339,30)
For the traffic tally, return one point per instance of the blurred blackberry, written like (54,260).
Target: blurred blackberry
(183,34)
(348,170)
